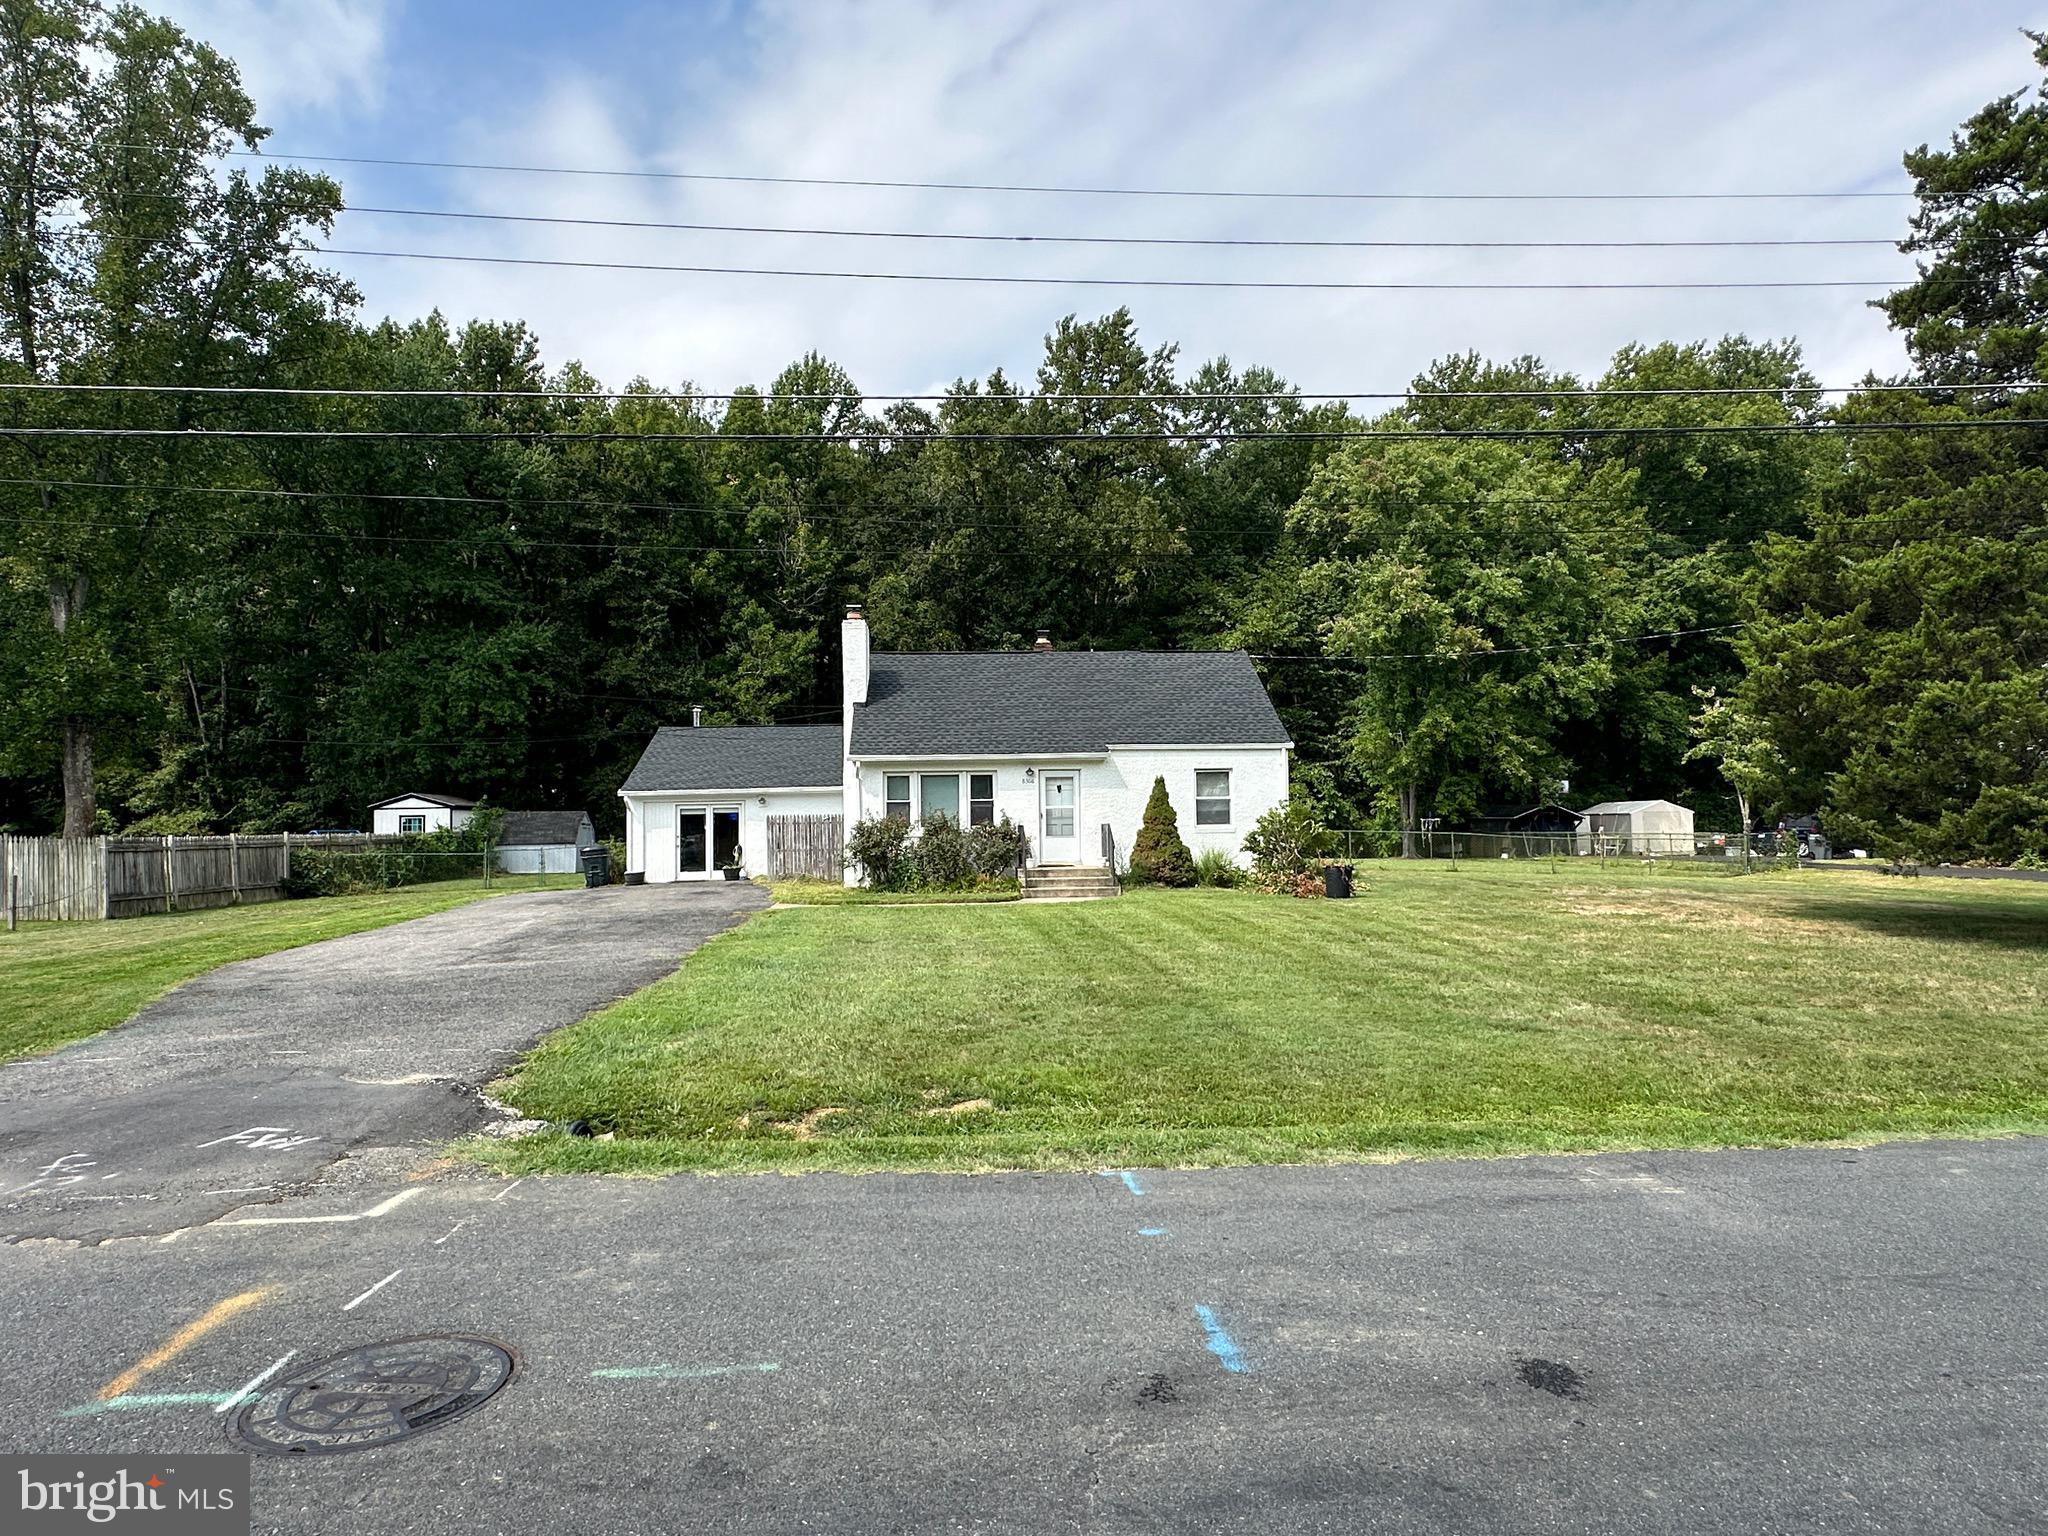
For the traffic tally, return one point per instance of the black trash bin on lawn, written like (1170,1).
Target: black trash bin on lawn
(597,867)
(1336,880)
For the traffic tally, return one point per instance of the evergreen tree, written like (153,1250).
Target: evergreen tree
(1159,857)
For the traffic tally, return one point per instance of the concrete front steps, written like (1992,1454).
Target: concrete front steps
(1068,883)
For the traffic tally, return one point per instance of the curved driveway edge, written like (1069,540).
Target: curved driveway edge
(253,1078)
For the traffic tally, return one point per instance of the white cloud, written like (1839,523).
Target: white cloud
(296,56)
(1445,98)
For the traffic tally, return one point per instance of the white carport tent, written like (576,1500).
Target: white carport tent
(1636,826)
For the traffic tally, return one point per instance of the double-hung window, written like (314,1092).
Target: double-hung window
(981,799)
(1212,797)
(896,792)
(938,794)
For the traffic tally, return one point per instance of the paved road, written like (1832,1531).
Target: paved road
(247,1083)
(1818,1340)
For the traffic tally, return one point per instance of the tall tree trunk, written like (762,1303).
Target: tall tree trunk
(80,809)
(1742,815)
(1407,820)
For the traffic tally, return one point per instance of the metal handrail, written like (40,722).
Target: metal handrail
(1109,854)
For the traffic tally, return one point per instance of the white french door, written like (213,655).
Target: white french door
(1059,819)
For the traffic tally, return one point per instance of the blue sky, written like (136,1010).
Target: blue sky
(1606,96)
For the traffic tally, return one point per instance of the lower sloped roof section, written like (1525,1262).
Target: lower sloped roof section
(745,757)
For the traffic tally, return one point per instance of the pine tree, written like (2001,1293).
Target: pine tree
(1159,857)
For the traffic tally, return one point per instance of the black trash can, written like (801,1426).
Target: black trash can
(597,867)
(1336,880)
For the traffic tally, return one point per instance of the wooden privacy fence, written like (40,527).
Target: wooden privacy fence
(805,845)
(74,879)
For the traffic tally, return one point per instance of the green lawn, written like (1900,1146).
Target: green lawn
(1483,1010)
(64,981)
(830,893)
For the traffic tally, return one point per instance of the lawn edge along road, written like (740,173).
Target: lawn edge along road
(61,983)
(1476,1014)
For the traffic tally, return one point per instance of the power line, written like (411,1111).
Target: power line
(1222,241)
(1517,650)
(1316,285)
(711,437)
(1262,194)
(1189,397)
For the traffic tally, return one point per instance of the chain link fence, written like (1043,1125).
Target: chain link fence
(1718,848)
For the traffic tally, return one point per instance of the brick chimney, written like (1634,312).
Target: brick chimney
(853,656)
(1043,642)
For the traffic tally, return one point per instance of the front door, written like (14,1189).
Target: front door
(1059,825)
(693,842)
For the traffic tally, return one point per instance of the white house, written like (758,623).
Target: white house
(1065,743)
(543,842)
(415,811)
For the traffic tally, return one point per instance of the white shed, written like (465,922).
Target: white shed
(1636,826)
(418,811)
(543,842)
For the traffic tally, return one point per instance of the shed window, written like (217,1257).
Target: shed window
(939,795)
(1212,797)
(981,799)
(897,791)
(412,823)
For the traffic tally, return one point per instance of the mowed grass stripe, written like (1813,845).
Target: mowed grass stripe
(1479,1010)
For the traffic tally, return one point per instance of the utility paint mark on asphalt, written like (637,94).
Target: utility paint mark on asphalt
(1153,1232)
(373,1290)
(682,1372)
(378,1209)
(248,1388)
(181,1341)
(501,1194)
(243,1189)
(1221,1345)
(130,1400)
(451,1232)
(1130,1179)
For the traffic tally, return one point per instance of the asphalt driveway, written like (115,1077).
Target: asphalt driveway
(246,1083)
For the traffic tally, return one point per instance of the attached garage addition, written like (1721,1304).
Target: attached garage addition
(702,797)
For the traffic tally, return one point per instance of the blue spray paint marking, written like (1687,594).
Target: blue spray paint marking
(1130,1180)
(681,1372)
(1153,1232)
(130,1400)
(1221,1345)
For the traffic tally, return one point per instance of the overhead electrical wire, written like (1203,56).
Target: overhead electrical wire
(1206,241)
(1190,397)
(1069,190)
(879,433)
(1032,280)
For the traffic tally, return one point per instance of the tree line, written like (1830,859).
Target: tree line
(253,633)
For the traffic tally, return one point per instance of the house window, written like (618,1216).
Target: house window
(897,793)
(981,799)
(1212,797)
(939,795)
(412,823)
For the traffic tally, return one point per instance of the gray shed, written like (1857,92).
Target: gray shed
(543,842)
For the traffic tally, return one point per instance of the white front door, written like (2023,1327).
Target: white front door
(1059,819)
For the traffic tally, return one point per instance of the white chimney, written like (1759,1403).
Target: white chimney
(853,656)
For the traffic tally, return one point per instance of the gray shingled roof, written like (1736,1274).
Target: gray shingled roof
(1025,702)
(682,757)
(540,829)
(452,802)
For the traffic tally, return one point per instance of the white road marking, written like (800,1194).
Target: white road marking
(451,1232)
(243,1189)
(266,1137)
(501,1194)
(280,1221)
(373,1290)
(249,1387)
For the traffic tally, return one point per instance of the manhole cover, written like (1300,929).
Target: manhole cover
(376,1395)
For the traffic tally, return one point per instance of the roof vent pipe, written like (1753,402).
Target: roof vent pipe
(1043,642)
(696,714)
